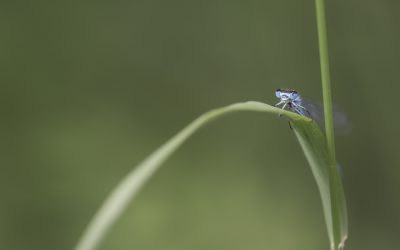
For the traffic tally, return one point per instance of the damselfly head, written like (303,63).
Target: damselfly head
(286,94)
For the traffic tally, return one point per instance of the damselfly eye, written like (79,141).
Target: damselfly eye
(278,93)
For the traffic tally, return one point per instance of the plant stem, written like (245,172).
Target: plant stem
(338,202)
(325,76)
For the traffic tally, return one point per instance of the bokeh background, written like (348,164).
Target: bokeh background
(90,88)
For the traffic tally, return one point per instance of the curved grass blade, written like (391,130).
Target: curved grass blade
(125,192)
(327,176)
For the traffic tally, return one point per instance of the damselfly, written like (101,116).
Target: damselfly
(291,99)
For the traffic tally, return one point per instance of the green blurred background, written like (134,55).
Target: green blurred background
(90,88)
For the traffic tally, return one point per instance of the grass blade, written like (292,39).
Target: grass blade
(329,183)
(338,204)
(325,75)
(310,137)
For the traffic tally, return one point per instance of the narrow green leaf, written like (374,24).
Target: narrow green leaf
(307,131)
(325,75)
(338,204)
(324,169)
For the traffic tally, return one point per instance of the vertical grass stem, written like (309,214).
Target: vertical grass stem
(325,76)
(338,201)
